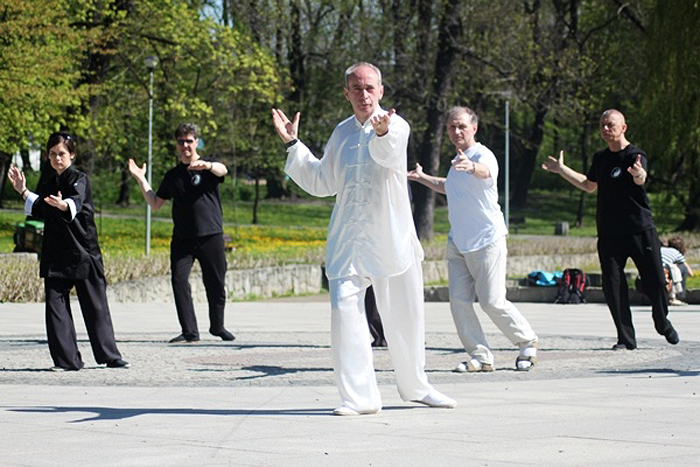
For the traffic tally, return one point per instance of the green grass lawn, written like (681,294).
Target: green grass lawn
(122,229)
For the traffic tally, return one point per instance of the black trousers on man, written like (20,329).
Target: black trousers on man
(60,329)
(209,251)
(374,320)
(644,249)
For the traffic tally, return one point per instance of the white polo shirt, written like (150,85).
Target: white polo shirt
(475,216)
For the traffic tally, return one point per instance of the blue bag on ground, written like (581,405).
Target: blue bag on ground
(543,279)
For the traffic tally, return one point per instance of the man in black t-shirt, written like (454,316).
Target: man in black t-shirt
(193,185)
(625,227)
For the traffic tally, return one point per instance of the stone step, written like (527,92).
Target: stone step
(518,293)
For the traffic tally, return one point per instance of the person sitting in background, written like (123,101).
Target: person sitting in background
(673,256)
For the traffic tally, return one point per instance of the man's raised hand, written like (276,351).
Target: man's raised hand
(288,130)
(380,123)
(135,170)
(554,165)
(417,173)
(636,169)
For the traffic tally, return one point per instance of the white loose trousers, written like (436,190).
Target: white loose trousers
(482,273)
(400,303)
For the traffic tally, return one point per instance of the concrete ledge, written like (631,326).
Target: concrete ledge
(240,285)
(518,293)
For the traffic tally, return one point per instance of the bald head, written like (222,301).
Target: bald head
(611,112)
(613,128)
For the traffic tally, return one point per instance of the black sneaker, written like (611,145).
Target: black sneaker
(622,347)
(183,338)
(224,335)
(672,337)
(118,363)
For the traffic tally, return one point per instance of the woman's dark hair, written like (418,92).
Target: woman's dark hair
(61,137)
(185,129)
(677,243)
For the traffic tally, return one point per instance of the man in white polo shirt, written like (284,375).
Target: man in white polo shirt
(476,247)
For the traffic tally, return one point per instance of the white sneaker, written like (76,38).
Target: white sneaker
(437,399)
(345,411)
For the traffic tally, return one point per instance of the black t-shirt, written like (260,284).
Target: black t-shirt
(196,203)
(622,205)
(69,249)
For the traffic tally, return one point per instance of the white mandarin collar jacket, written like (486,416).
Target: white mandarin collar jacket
(371,231)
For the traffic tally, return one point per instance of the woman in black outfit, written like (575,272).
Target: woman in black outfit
(70,258)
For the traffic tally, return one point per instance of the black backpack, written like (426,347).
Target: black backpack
(572,286)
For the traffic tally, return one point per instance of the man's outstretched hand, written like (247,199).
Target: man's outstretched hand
(287,129)
(554,165)
(380,123)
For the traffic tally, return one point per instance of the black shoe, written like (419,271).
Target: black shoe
(622,347)
(672,337)
(183,338)
(224,335)
(118,363)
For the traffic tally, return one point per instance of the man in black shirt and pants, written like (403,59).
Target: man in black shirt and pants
(625,227)
(193,185)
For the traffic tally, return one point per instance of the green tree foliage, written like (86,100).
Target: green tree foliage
(207,73)
(39,65)
(670,123)
(80,65)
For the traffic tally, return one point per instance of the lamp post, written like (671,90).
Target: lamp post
(507,95)
(151,62)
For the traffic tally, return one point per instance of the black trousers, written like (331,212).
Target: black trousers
(684,275)
(209,251)
(60,328)
(376,329)
(645,250)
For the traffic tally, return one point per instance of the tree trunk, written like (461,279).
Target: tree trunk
(276,188)
(429,149)
(123,198)
(528,160)
(583,148)
(691,222)
(296,55)
(5,163)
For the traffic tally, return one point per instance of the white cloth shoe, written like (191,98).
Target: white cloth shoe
(345,411)
(437,399)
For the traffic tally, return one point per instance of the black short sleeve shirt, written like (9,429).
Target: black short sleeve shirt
(196,207)
(622,205)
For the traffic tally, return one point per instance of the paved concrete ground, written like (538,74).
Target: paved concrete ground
(265,399)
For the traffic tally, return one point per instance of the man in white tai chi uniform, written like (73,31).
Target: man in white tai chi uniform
(371,240)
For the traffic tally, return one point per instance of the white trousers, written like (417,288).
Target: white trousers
(482,274)
(400,303)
